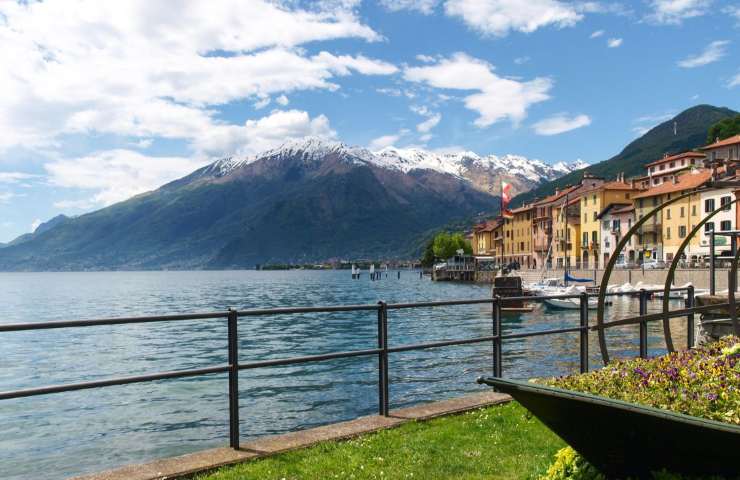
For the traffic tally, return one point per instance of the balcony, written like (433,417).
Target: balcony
(655,227)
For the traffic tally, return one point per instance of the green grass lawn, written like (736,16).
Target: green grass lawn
(499,442)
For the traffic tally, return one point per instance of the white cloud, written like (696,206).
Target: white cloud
(497,98)
(384,141)
(521,60)
(15,177)
(423,6)
(262,103)
(597,34)
(733,11)
(35,224)
(265,133)
(393,92)
(614,42)
(428,124)
(115,175)
(712,53)
(425,58)
(144,69)
(5,197)
(282,100)
(499,17)
(426,137)
(674,12)
(560,124)
(734,81)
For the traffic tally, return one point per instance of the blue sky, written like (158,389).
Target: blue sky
(103,100)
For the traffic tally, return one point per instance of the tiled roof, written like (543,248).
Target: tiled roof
(686,181)
(678,156)
(556,196)
(613,207)
(615,185)
(723,143)
(523,208)
(624,209)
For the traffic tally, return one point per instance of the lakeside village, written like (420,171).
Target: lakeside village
(578,226)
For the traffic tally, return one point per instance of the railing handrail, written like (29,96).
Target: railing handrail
(233,366)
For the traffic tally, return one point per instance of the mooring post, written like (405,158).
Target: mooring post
(496,333)
(690,317)
(584,332)
(643,324)
(233,341)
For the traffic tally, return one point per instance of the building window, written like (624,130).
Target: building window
(725,225)
(640,202)
(683,213)
(693,210)
(652,169)
(616,224)
(683,162)
(594,199)
(585,239)
(668,233)
(725,202)
(708,227)
(708,205)
(673,164)
(627,195)
(668,214)
(594,237)
(595,217)
(585,218)
(655,201)
(682,231)
(606,224)
(662,166)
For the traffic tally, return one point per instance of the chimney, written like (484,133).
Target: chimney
(632,183)
(665,155)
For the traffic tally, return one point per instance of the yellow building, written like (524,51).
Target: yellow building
(660,237)
(521,237)
(566,233)
(592,202)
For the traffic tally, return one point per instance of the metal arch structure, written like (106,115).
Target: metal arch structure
(610,266)
(672,271)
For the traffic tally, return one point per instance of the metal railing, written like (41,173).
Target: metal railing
(382,351)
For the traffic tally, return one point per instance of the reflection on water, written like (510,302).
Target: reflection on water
(76,432)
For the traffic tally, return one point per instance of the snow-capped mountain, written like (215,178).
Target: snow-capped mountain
(484,172)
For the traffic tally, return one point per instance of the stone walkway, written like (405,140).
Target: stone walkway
(175,467)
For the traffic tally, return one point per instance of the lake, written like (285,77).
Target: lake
(65,434)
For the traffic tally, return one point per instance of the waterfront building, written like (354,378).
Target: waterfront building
(482,241)
(661,170)
(521,237)
(566,228)
(616,220)
(592,202)
(723,151)
(723,221)
(660,237)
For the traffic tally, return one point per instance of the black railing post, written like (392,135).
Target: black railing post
(690,317)
(233,379)
(383,400)
(584,332)
(643,325)
(496,333)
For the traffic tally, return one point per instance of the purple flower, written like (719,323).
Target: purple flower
(712,396)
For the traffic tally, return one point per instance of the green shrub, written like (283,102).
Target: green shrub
(702,382)
(569,465)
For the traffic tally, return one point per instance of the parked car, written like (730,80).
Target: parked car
(625,264)
(653,264)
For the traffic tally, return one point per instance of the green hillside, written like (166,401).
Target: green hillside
(692,126)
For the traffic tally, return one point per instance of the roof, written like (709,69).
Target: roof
(625,209)
(488,225)
(557,196)
(735,139)
(615,185)
(686,181)
(678,156)
(524,208)
(614,207)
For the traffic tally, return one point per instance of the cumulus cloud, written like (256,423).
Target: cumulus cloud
(674,12)
(597,34)
(614,42)
(558,124)
(712,53)
(495,98)
(499,17)
(734,81)
(140,68)
(282,100)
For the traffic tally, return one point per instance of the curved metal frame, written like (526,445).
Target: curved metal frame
(731,293)
(610,266)
(672,270)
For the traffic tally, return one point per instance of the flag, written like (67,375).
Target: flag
(505,195)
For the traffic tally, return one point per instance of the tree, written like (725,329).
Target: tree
(427,258)
(724,129)
(446,245)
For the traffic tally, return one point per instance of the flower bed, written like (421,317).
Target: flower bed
(703,382)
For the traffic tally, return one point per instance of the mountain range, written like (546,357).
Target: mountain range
(685,131)
(306,201)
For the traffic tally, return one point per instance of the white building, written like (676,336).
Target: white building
(615,221)
(662,170)
(722,222)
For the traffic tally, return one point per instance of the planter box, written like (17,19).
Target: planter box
(627,440)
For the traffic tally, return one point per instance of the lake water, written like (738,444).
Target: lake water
(65,434)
